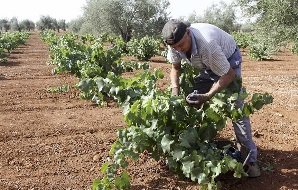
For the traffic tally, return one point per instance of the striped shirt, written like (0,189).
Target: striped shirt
(210,49)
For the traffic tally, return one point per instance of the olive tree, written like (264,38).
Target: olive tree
(14,24)
(61,24)
(277,19)
(47,22)
(220,14)
(27,25)
(76,24)
(4,25)
(126,17)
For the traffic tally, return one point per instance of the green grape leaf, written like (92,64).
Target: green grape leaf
(178,154)
(100,83)
(122,182)
(188,137)
(218,102)
(202,178)
(166,143)
(104,167)
(85,84)
(187,168)
(211,114)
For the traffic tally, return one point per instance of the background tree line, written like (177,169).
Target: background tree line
(44,23)
(271,21)
(14,25)
(138,18)
(146,17)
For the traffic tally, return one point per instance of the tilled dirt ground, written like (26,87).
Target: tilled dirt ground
(59,141)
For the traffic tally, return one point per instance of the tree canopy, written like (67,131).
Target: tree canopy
(126,17)
(275,18)
(221,14)
(47,22)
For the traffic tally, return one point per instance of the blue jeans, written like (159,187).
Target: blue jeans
(242,127)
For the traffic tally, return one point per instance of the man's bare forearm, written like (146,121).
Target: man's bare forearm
(222,83)
(174,78)
(174,75)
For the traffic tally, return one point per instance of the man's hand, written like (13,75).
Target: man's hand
(197,100)
(175,91)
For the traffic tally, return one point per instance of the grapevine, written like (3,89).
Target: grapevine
(169,129)
(164,126)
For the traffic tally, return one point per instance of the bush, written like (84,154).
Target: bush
(262,48)
(242,39)
(143,49)
(258,51)
(295,47)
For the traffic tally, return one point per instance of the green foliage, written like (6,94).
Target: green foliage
(259,51)
(127,18)
(9,41)
(221,15)
(61,25)
(2,56)
(49,37)
(88,57)
(143,49)
(27,25)
(14,24)
(261,48)
(242,39)
(59,89)
(47,23)
(274,18)
(118,88)
(4,25)
(167,127)
(76,25)
(294,48)
(163,125)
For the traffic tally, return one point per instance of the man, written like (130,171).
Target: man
(215,53)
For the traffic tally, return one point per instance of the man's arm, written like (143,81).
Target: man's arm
(221,67)
(223,82)
(174,77)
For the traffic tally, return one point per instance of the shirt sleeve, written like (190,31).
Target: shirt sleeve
(173,56)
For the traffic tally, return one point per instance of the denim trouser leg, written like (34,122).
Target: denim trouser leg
(242,129)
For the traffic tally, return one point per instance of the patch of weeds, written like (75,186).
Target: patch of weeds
(267,167)
(59,89)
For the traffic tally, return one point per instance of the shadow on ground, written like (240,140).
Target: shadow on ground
(10,63)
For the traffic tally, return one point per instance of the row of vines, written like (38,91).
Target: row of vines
(164,126)
(9,41)
(260,48)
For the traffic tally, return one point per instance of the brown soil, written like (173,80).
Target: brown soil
(58,141)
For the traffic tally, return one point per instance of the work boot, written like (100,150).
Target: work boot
(253,169)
